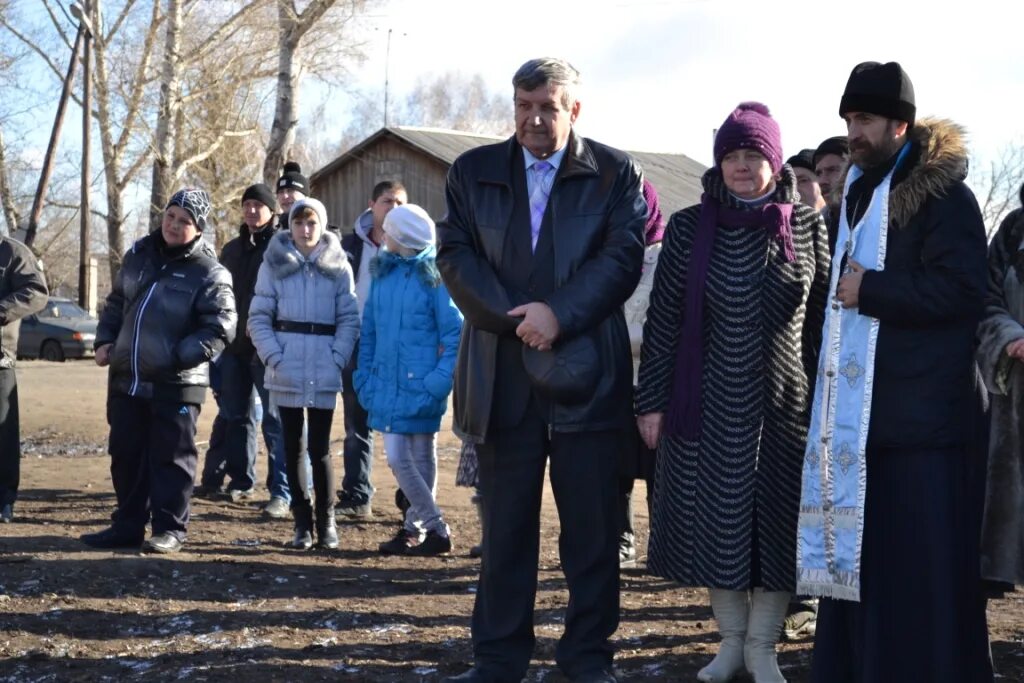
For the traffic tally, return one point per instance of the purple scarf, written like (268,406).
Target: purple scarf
(684,409)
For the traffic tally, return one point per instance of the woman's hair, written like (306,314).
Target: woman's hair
(305,212)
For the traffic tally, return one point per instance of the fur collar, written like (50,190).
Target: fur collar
(424,264)
(284,259)
(942,162)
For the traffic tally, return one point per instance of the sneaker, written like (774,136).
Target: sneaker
(433,544)
(240,495)
(800,624)
(347,508)
(162,544)
(277,508)
(400,544)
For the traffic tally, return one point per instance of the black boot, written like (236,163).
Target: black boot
(326,529)
(303,514)
(478,549)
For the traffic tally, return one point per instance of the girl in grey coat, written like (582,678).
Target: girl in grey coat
(304,323)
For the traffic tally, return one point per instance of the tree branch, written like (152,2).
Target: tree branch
(116,26)
(57,25)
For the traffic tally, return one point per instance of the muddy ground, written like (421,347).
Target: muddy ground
(238,606)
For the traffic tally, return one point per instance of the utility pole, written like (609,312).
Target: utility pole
(51,148)
(80,9)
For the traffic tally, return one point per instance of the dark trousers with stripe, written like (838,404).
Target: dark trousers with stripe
(152,462)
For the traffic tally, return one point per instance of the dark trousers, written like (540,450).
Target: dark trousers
(10,440)
(583,473)
(152,462)
(239,376)
(319,445)
(358,450)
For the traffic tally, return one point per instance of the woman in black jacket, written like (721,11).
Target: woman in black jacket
(170,311)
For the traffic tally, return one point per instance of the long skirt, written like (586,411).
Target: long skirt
(922,611)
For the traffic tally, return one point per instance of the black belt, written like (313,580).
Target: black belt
(304,328)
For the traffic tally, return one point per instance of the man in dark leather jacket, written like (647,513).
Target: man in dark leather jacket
(542,244)
(22,292)
(170,311)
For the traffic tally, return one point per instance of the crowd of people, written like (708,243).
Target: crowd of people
(799,367)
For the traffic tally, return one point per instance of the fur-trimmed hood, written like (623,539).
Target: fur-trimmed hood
(284,259)
(424,263)
(942,161)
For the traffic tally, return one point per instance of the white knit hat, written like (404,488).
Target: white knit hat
(410,226)
(316,205)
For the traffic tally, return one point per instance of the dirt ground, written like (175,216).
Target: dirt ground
(236,605)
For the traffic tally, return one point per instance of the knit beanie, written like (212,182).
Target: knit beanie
(262,194)
(309,202)
(410,226)
(196,202)
(291,177)
(750,126)
(802,159)
(838,145)
(881,89)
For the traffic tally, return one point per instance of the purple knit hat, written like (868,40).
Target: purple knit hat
(750,126)
(654,229)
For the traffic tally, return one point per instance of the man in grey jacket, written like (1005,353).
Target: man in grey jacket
(22,292)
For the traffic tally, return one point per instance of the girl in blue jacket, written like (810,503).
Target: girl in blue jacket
(409,340)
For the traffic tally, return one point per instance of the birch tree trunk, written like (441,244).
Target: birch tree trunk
(167,115)
(7,194)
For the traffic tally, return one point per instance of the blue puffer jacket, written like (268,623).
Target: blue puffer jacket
(408,344)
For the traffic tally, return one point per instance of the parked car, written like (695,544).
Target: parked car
(60,331)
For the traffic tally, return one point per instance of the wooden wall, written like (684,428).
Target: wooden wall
(346,190)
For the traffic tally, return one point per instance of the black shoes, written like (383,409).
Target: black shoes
(111,538)
(209,492)
(7,513)
(162,544)
(326,529)
(401,502)
(400,544)
(434,544)
(596,676)
(303,539)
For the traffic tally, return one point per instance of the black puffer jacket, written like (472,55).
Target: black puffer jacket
(243,257)
(598,211)
(170,311)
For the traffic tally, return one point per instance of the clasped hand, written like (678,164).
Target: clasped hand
(539,328)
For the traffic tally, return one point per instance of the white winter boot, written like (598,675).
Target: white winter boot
(730,608)
(767,612)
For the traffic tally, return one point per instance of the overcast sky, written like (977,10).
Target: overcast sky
(660,75)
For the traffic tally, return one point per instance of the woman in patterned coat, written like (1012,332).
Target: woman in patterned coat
(726,374)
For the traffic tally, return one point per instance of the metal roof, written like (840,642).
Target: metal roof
(676,177)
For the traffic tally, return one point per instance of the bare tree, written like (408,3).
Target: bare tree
(293,26)
(458,101)
(1000,183)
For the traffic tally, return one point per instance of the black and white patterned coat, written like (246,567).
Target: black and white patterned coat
(739,485)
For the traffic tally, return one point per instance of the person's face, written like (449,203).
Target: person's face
(543,123)
(306,231)
(177,227)
(807,186)
(388,200)
(829,170)
(287,196)
(873,138)
(747,173)
(255,213)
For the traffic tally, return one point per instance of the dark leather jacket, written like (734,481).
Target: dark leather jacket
(598,215)
(22,292)
(170,311)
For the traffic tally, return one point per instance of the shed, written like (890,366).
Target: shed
(420,157)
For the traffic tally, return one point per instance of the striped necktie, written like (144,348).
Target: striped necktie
(542,179)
